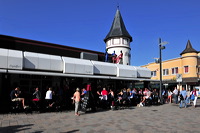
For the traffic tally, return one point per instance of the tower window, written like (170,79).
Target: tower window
(116,41)
(125,41)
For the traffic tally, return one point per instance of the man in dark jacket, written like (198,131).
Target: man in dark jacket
(15,96)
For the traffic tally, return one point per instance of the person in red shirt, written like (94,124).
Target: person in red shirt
(104,94)
(119,59)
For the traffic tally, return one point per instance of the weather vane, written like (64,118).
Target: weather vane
(118,5)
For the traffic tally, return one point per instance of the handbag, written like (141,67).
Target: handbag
(192,97)
(181,97)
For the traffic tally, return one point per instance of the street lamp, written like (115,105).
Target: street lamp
(161,47)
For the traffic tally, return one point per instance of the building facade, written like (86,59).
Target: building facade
(29,64)
(179,72)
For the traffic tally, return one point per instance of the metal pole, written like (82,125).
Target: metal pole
(160,60)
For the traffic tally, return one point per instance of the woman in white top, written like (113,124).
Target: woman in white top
(48,98)
(49,94)
(169,99)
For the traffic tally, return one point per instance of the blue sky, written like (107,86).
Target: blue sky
(85,23)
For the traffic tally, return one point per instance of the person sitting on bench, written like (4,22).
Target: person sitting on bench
(37,94)
(147,95)
(15,96)
(49,98)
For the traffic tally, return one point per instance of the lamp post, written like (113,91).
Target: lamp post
(161,47)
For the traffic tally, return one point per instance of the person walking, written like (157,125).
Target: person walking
(76,100)
(188,96)
(183,96)
(175,94)
(195,93)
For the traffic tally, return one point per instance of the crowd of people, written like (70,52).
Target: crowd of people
(128,97)
(184,96)
(39,99)
(109,98)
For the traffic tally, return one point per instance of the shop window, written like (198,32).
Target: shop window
(24,82)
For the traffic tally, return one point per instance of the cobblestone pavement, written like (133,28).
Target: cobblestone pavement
(167,118)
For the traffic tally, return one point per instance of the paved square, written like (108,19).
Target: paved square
(167,118)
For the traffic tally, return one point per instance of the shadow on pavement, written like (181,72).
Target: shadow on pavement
(17,128)
(104,110)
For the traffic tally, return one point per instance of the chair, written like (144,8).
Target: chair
(148,101)
(104,97)
(36,104)
(16,106)
(154,100)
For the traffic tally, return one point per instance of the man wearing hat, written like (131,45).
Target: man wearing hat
(77,99)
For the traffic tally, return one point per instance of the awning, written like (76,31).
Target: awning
(56,74)
(77,75)
(77,66)
(42,61)
(104,68)
(134,79)
(126,71)
(3,70)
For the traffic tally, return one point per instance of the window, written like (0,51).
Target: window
(175,70)
(125,41)
(116,41)
(108,43)
(165,71)
(153,73)
(186,69)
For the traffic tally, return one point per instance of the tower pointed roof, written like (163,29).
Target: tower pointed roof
(118,28)
(189,49)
